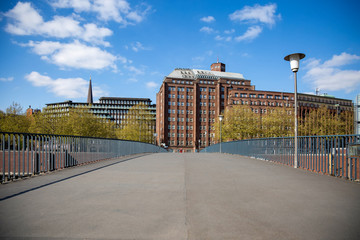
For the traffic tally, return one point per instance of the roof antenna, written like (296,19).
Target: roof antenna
(218,59)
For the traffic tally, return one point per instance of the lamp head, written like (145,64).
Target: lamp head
(294,60)
(221,117)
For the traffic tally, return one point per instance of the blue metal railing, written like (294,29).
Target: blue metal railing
(25,154)
(323,154)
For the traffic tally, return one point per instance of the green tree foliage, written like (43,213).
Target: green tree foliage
(241,122)
(81,122)
(44,123)
(139,125)
(14,120)
(277,122)
(78,122)
(321,121)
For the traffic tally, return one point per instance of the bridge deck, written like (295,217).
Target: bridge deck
(181,196)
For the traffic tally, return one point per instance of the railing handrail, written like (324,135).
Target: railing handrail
(74,136)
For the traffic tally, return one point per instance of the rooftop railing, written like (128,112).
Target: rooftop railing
(337,155)
(25,154)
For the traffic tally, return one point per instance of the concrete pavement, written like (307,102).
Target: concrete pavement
(181,196)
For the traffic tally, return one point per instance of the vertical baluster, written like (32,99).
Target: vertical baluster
(28,155)
(18,153)
(3,153)
(32,154)
(23,155)
(41,152)
(51,154)
(14,157)
(60,152)
(56,144)
(9,157)
(37,160)
(67,149)
(342,156)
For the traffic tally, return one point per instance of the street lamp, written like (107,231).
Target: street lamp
(221,117)
(294,60)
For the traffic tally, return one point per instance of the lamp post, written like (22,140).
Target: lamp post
(205,141)
(294,60)
(221,117)
(155,135)
(337,119)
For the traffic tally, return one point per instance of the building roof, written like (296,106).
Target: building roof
(123,98)
(187,73)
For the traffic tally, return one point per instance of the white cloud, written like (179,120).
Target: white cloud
(78,5)
(63,87)
(137,46)
(96,35)
(263,14)
(110,10)
(74,55)
(250,34)
(340,60)
(207,19)
(207,30)
(220,38)
(25,20)
(198,59)
(257,16)
(134,70)
(229,31)
(152,85)
(328,75)
(6,79)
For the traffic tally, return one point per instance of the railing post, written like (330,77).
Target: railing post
(3,153)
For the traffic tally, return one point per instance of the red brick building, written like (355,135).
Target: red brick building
(190,100)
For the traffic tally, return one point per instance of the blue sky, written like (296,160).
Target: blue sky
(50,48)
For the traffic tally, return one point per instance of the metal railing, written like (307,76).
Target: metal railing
(323,154)
(25,154)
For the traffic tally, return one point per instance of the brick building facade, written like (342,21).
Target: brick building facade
(190,100)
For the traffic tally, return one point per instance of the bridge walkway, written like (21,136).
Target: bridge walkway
(180,196)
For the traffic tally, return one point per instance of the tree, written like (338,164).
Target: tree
(43,123)
(78,122)
(81,122)
(239,123)
(138,125)
(322,121)
(14,120)
(277,122)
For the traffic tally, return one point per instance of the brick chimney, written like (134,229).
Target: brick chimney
(218,66)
